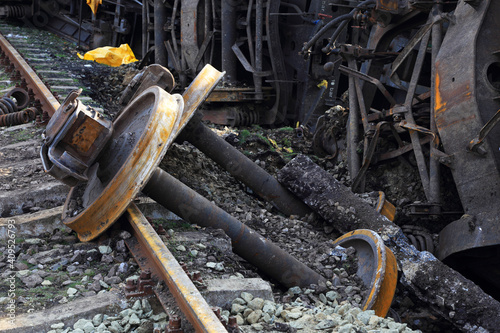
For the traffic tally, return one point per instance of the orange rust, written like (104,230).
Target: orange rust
(83,137)
(388,287)
(384,207)
(388,5)
(439,105)
(384,278)
(199,90)
(446,98)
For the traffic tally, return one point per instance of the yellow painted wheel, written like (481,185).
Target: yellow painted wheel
(377,268)
(141,136)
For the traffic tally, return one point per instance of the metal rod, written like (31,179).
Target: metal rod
(415,140)
(353,126)
(434,167)
(249,33)
(247,243)
(237,164)
(145,28)
(243,169)
(80,23)
(372,80)
(228,22)
(160,18)
(259,22)
(157,255)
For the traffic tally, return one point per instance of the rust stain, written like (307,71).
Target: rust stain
(388,5)
(442,123)
(439,105)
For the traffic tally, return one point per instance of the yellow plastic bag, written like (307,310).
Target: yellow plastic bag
(112,56)
(93,5)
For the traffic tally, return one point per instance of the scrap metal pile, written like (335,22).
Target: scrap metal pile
(420,76)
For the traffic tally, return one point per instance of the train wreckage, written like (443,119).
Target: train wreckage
(421,77)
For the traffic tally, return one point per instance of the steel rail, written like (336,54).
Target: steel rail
(48,102)
(156,256)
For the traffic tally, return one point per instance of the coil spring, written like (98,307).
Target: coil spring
(16,11)
(7,106)
(32,112)
(16,118)
(21,96)
(419,237)
(244,118)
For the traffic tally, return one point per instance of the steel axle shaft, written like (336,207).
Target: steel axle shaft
(247,243)
(242,168)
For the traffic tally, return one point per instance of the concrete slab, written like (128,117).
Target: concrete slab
(11,202)
(31,225)
(87,307)
(154,210)
(221,292)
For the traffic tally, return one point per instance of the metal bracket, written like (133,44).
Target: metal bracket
(475,144)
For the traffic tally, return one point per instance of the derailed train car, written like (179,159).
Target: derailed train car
(423,75)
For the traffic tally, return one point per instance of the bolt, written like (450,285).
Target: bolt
(160,230)
(174,322)
(196,276)
(216,310)
(232,322)
(145,275)
(130,286)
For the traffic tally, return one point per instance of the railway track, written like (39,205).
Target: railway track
(42,65)
(153,252)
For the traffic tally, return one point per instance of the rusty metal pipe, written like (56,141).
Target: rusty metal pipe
(243,169)
(434,167)
(228,22)
(247,243)
(160,35)
(353,126)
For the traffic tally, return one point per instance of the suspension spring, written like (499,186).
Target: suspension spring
(16,118)
(21,97)
(419,237)
(7,105)
(16,11)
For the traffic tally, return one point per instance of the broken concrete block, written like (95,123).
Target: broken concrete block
(221,292)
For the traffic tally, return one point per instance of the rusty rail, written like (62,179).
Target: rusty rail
(155,256)
(48,102)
